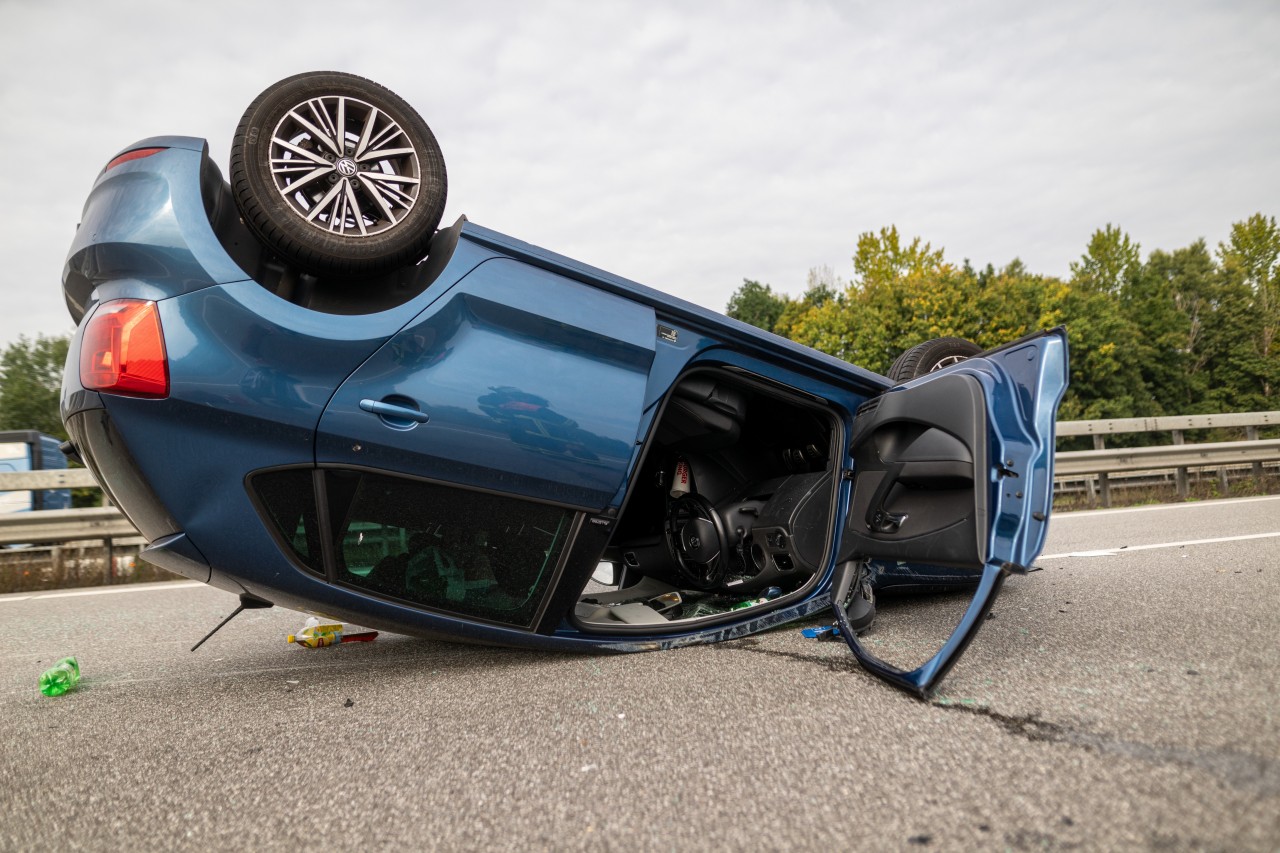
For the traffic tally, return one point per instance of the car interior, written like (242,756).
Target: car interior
(731,508)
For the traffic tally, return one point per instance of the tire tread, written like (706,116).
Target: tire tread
(923,358)
(317,253)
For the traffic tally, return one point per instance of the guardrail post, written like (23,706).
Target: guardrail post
(1251,433)
(1104,485)
(1180,474)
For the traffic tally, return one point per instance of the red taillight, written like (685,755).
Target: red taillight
(122,350)
(135,154)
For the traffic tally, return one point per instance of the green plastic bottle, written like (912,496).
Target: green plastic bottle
(61,677)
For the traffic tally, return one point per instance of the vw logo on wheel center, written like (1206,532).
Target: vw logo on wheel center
(346,167)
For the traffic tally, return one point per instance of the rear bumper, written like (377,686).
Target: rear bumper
(104,452)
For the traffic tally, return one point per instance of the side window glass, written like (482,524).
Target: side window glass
(287,500)
(444,548)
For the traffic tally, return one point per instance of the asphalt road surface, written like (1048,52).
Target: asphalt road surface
(1125,697)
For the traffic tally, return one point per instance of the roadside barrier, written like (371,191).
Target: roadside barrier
(1253,453)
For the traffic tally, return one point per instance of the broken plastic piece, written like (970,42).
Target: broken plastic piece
(666,601)
(61,677)
(826,632)
(769,594)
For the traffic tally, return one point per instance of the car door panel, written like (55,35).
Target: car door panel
(954,469)
(518,380)
(918,493)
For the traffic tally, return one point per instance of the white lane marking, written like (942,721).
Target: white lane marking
(113,590)
(1094,513)
(1103,552)
(1111,552)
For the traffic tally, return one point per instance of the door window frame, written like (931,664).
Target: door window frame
(319,496)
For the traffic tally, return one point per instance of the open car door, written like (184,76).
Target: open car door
(953,477)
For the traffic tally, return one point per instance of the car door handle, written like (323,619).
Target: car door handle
(392,410)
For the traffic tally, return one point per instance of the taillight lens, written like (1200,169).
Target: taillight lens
(122,350)
(135,154)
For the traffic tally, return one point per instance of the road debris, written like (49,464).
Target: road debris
(315,635)
(61,677)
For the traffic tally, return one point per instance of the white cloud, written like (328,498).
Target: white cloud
(691,146)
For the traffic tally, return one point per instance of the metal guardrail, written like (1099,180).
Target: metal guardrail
(64,478)
(1114,460)
(1168,423)
(105,523)
(108,524)
(1179,456)
(66,525)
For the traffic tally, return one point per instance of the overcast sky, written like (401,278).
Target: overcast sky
(690,145)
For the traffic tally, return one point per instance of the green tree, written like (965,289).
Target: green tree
(833,325)
(1170,302)
(1009,304)
(899,288)
(1105,379)
(757,304)
(1234,372)
(1251,260)
(1184,332)
(904,293)
(882,258)
(1111,261)
(1106,345)
(31,384)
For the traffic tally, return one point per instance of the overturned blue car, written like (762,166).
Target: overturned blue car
(303,391)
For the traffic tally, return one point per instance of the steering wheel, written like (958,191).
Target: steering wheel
(697,541)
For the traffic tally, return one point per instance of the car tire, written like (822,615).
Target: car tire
(930,356)
(351,202)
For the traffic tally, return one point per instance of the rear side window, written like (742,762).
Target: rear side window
(447,549)
(287,499)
